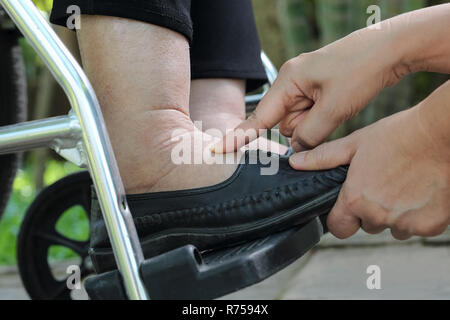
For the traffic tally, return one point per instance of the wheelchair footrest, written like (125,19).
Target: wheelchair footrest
(185,273)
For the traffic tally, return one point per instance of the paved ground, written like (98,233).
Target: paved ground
(336,269)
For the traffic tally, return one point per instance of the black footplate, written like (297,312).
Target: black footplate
(185,273)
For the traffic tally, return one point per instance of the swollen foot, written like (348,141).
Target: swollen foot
(161,150)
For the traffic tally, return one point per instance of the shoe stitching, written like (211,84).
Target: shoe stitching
(266,196)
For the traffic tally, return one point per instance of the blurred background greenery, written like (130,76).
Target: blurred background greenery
(287,28)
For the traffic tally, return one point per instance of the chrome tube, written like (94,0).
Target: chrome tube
(272,74)
(255,98)
(101,162)
(271,70)
(36,134)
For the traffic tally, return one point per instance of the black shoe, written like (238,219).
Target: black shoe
(246,206)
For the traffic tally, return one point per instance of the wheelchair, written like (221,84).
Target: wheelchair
(81,138)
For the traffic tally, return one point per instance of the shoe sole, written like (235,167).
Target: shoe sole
(207,239)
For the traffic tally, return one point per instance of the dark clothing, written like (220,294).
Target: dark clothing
(222,33)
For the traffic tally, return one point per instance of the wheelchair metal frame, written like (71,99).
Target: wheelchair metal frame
(81,137)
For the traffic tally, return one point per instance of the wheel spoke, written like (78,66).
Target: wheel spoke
(85,203)
(58,239)
(39,233)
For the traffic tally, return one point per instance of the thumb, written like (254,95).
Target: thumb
(328,155)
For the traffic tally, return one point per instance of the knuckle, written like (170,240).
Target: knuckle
(352,199)
(294,64)
(372,230)
(337,115)
(306,140)
(339,111)
(304,58)
(377,218)
(347,114)
(430,229)
(374,223)
(342,226)
(288,66)
(285,129)
(401,226)
(400,235)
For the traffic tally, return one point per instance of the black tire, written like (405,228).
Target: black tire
(38,233)
(13,104)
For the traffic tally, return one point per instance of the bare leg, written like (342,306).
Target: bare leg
(220,104)
(141,74)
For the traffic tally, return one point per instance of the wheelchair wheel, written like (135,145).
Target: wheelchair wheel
(13,103)
(41,231)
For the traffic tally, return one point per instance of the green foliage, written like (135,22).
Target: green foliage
(297,25)
(44,5)
(73,224)
(307,25)
(33,63)
(269,30)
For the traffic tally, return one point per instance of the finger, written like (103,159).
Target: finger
(341,222)
(426,222)
(317,125)
(418,222)
(373,218)
(295,116)
(400,235)
(270,111)
(326,156)
(266,115)
(372,229)
(400,225)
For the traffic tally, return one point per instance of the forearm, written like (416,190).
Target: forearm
(420,39)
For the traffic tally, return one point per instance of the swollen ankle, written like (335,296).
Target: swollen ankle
(168,169)
(142,144)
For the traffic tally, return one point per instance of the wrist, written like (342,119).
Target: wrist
(433,116)
(386,56)
(421,40)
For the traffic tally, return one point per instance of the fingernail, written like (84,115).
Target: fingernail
(298,158)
